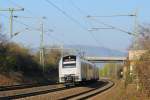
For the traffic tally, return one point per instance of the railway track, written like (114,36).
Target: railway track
(90,93)
(79,92)
(22,86)
(21,91)
(54,91)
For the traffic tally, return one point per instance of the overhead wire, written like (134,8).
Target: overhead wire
(53,5)
(16,4)
(79,9)
(113,27)
(19,6)
(119,15)
(70,17)
(35,29)
(55,38)
(85,14)
(28,27)
(109,26)
(27,10)
(48,33)
(66,14)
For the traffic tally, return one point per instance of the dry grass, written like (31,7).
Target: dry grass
(15,78)
(119,92)
(11,78)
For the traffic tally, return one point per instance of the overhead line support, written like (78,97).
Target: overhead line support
(11,11)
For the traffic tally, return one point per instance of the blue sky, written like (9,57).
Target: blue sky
(66,31)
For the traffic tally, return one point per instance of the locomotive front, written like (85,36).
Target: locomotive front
(69,70)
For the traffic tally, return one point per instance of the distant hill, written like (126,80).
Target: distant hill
(96,51)
(90,50)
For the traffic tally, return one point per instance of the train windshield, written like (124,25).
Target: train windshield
(69,61)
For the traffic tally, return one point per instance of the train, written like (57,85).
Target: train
(73,69)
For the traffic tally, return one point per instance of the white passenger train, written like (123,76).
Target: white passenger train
(73,69)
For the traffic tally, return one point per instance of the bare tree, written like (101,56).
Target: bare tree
(142,40)
(143,64)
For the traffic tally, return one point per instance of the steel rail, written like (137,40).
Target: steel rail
(87,94)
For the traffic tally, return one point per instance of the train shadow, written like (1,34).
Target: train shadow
(92,84)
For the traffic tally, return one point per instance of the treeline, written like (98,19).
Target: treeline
(16,58)
(13,57)
(112,70)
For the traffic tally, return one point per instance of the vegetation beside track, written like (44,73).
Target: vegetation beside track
(19,64)
(139,77)
(119,92)
(112,70)
(141,67)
